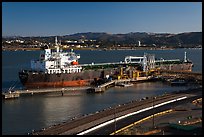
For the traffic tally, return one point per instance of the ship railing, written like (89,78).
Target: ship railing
(100,64)
(171,60)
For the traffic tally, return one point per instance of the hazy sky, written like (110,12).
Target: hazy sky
(61,18)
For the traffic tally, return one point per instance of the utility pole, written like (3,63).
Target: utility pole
(114,121)
(153,113)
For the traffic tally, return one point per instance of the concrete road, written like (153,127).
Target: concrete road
(106,130)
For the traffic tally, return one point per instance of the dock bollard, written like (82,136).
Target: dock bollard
(62,93)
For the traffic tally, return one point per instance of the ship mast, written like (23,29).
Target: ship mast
(56,44)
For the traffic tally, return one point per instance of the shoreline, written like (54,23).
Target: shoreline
(98,49)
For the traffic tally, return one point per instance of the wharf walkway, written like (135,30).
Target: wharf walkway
(17,93)
(103,87)
(112,83)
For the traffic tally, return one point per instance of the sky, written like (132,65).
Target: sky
(65,18)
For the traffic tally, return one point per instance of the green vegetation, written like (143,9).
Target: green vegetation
(110,41)
(182,127)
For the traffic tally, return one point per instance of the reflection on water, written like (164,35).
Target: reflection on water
(35,112)
(21,115)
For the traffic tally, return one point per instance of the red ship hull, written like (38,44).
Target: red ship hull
(76,83)
(34,80)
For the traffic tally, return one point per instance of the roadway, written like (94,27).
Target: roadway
(175,117)
(87,122)
(107,130)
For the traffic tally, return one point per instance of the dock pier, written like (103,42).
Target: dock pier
(17,93)
(105,86)
(10,95)
(101,88)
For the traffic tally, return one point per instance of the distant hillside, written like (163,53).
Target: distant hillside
(183,39)
(190,39)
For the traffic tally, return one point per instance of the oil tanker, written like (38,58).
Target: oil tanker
(58,68)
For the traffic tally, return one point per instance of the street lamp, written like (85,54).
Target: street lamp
(114,121)
(153,112)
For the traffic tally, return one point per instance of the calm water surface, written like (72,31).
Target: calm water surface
(21,115)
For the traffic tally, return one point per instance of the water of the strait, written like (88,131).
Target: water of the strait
(20,116)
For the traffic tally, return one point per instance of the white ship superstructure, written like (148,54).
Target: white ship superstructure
(56,61)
